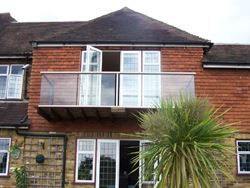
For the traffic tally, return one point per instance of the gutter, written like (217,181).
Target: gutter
(226,66)
(65,139)
(122,44)
(14,126)
(27,55)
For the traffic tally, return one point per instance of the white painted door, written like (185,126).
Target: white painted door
(107,164)
(90,88)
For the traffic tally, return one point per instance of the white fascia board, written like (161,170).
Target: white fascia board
(226,66)
(117,45)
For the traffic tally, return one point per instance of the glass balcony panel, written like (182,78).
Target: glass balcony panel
(175,85)
(113,89)
(59,89)
(108,92)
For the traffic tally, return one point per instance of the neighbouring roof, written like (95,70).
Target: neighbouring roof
(122,26)
(228,54)
(6,18)
(13,114)
(15,37)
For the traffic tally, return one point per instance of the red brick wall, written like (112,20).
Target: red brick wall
(227,87)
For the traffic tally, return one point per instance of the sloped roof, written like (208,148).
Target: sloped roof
(122,26)
(228,54)
(6,18)
(13,114)
(127,26)
(15,37)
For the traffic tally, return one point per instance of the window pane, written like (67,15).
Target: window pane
(151,62)
(244,162)
(85,162)
(145,174)
(151,68)
(94,57)
(85,166)
(130,62)
(151,90)
(243,146)
(4,144)
(84,54)
(16,69)
(130,84)
(15,86)
(3,69)
(151,58)
(108,161)
(3,162)
(3,84)
(130,100)
(150,101)
(86,145)
(93,67)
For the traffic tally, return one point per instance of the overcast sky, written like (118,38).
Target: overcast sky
(221,21)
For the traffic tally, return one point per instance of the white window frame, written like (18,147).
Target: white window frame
(87,67)
(159,62)
(143,70)
(6,87)
(8,156)
(238,156)
(94,161)
(117,173)
(139,76)
(9,68)
(21,75)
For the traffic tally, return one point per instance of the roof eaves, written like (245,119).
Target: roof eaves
(214,64)
(36,43)
(16,55)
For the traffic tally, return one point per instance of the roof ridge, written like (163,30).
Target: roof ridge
(109,14)
(126,9)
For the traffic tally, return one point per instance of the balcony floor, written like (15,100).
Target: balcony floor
(59,113)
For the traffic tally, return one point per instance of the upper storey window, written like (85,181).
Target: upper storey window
(11,81)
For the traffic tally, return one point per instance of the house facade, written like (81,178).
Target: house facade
(70,93)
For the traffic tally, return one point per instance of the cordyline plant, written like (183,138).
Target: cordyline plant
(188,144)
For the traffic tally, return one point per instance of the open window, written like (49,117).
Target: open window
(90,90)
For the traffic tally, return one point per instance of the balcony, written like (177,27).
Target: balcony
(78,95)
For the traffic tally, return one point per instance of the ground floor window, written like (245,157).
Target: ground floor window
(108,163)
(85,160)
(243,156)
(4,155)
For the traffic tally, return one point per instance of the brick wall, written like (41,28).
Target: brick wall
(225,88)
